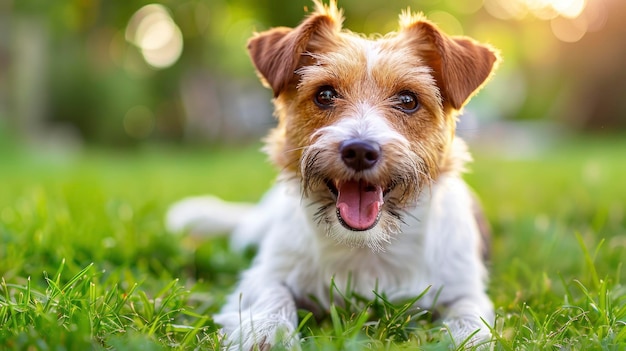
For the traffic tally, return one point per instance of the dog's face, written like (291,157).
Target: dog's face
(365,124)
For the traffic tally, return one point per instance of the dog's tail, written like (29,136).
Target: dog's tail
(208,216)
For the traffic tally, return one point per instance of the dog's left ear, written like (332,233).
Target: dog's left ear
(460,65)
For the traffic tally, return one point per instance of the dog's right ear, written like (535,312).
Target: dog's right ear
(277,53)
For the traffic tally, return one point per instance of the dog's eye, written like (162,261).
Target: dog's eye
(325,96)
(406,101)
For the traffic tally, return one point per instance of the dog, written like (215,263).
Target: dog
(369,195)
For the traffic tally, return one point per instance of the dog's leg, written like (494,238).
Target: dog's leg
(259,316)
(468,319)
(453,247)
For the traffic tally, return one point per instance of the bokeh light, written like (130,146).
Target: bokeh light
(543,9)
(465,6)
(569,20)
(569,30)
(568,8)
(155,33)
(447,22)
(139,122)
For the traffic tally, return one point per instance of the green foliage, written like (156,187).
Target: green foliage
(86,264)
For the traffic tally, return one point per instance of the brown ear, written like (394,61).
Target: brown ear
(460,65)
(276,53)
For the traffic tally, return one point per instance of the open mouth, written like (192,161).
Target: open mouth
(359,203)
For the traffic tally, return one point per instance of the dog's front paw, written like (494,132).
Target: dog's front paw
(261,333)
(470,332)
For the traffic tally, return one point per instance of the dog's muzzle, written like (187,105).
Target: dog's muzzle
(359,203)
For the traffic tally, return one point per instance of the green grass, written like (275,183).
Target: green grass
(86,263)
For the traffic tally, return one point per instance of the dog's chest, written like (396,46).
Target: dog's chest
(302,256)
(397,273)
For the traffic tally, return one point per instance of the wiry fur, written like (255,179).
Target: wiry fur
(426,232)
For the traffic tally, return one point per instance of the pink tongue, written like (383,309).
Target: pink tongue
(359,203)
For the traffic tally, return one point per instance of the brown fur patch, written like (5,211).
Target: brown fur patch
(443,71)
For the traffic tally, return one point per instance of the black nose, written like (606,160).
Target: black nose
(359,155)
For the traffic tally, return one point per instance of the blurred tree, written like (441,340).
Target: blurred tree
(595,72)
(71,63)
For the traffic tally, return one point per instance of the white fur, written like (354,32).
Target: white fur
(437,247)
(365,124)
(372,54)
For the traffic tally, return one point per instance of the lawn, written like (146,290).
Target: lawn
(86,263)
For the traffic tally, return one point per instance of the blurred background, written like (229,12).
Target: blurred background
(125,73)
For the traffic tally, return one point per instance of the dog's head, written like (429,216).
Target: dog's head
(365,124)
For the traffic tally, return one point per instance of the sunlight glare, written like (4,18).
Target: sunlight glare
(569,20)
(568,8)
(543,9)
